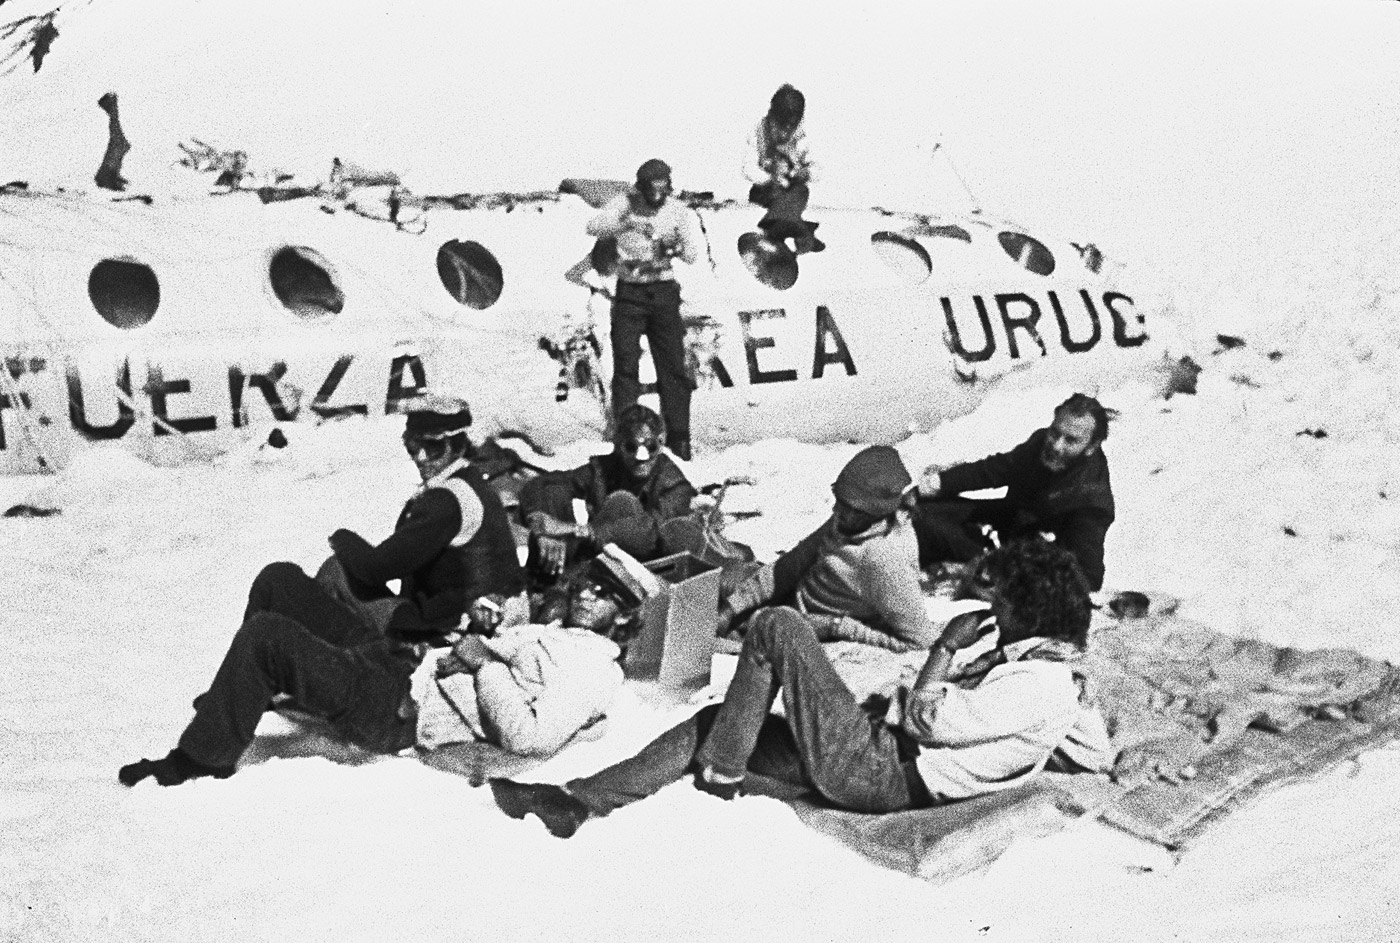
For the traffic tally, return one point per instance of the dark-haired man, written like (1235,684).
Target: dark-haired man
(630,493)
(649,231)
(341,645)
(781,170)
(940,741)
(1057,486)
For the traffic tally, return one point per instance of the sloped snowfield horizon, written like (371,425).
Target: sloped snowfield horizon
(1237,156)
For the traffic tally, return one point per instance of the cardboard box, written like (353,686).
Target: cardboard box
(677,638)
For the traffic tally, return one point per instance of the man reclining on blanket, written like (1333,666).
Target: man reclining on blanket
(939,741)
(530,689)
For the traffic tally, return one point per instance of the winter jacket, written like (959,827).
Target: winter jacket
(862,588)
(1075,505)
(647,239)
(540,687)
(451,545)
(665,493)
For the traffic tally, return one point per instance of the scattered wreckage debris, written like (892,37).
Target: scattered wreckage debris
(1182,375)
(34,44)
(109,174)
(30,510)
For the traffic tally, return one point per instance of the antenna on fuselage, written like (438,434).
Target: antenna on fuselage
(976,203)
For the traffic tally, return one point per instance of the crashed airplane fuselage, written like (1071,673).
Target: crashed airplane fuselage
(183,327)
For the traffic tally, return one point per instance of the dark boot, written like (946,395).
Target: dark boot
(560,812)
(808,241)
(175,768)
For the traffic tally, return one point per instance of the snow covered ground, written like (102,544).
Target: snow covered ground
(1243,156)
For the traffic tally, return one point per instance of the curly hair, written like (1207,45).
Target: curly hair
(1043,585)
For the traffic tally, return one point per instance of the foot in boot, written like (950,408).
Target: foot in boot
(173,769)
(717,784)
(560,812)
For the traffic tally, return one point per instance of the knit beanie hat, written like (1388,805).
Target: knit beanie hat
(438,417)
(654,169)
(873,481)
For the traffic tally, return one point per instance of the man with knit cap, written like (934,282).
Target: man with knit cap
(648,230)
(856,577)
(343,647)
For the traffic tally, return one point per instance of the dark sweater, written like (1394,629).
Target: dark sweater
(440,572)
(664,494)
(1076,505)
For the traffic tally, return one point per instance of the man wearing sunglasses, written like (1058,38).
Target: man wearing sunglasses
(530,689)
(630,494)
(341,646)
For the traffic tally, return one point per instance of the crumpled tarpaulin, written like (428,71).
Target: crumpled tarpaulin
(1203,722)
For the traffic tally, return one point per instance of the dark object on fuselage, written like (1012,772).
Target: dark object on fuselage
(109,174)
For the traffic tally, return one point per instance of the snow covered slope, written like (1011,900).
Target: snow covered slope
(1244,152)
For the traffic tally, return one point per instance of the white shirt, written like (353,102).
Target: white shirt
(1000,733)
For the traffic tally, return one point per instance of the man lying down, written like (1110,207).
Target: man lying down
(993,725)
(530,689)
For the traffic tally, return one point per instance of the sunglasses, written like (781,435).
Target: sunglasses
(590,592)
(432,449)
(651,445)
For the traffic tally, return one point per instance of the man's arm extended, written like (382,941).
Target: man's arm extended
(428,529)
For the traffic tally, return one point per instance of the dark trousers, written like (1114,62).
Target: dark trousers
(621,519)
(784,204)
(297,640)
(654,310)
(949,529)
(826,743)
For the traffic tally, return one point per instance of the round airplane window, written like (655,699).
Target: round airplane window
(1027,252)
(772,263)
(905,257)
(470,273)
(125,292)
(302,281)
